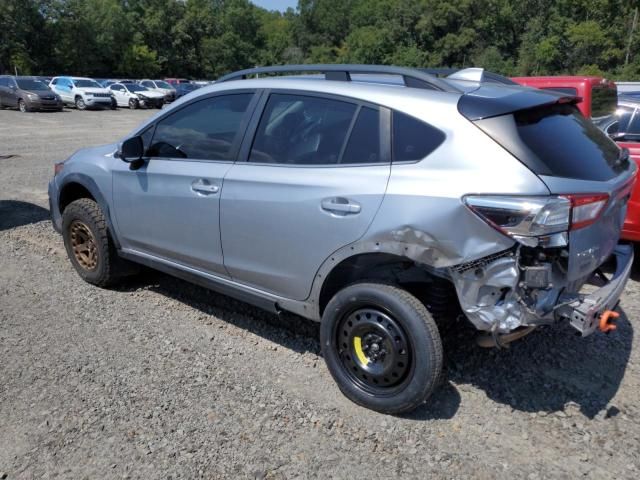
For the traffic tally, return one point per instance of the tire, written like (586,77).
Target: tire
(133,103)
(382,347)
(114,104)
(22,106)
(80,105)
(83,224)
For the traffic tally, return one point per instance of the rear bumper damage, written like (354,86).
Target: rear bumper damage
(585,311)
(506,291)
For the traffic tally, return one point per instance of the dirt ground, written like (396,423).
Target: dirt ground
(160,379)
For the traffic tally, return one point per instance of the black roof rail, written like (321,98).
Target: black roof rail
(412,77)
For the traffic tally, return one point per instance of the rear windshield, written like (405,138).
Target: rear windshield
(558,141)
(604,101)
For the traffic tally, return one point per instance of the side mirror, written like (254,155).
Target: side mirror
(132,149)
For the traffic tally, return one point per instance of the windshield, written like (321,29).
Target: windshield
(31,84)
(132,87)
(80,83)
(161,84)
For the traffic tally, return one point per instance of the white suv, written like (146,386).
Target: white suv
(162,87)
(81,92)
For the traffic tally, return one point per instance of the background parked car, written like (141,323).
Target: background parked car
(624,128)
(27,94)
(81,92)
(176,81)
(183,88)
(162,87)
(133,96)
(598,96)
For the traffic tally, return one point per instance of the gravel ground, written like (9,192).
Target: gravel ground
(162,379)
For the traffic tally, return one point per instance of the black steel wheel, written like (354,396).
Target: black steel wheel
(374,350)
(381,346)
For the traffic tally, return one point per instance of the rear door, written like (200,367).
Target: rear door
(169,208)
(313,176)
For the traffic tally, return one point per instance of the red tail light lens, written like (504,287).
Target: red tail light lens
(586,209)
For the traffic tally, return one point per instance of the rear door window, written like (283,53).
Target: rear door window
(302,130)
(413,139)
(365,144)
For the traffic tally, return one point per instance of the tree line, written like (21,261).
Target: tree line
(207,38)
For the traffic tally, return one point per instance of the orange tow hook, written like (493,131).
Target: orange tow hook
(605,325)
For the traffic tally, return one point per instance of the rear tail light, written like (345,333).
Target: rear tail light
(586,209)
(537,220)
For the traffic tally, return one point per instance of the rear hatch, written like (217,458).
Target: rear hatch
(546,132)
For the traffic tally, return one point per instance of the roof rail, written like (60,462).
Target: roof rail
(412,77)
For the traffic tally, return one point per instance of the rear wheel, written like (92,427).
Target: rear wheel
(89,244)
(80,105)
(382,347)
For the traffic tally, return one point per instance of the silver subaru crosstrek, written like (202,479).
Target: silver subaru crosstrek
(366,198)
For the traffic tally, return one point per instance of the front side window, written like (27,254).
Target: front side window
(205,130)
(4,82)
(300,130)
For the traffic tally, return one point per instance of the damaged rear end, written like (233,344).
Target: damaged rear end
(561,240)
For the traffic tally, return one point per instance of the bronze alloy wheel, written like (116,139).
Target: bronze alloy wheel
(83,244)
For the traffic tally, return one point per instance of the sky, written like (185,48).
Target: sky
(281,5)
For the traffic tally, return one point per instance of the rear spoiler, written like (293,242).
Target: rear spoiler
(492,100)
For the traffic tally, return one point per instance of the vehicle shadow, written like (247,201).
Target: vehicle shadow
(546,370)
(15,213)
(288,330)
(542,372)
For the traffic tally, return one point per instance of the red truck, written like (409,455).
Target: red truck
(599,100)
(599,97)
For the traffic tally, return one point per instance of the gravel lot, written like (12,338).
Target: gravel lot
(162,379)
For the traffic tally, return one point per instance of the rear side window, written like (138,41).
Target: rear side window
(413,139)
(206,130)
(558,141)
(4,82)
(301,130)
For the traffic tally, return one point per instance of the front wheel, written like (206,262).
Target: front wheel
(89,244)
(382,347)
(133,104)
(80,105)
(22,106)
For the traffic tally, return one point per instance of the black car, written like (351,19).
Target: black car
(184,88)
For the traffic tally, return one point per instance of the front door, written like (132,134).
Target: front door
(170,207)
(314,178)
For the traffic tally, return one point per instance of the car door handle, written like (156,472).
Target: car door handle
(199,186)
(340,205)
